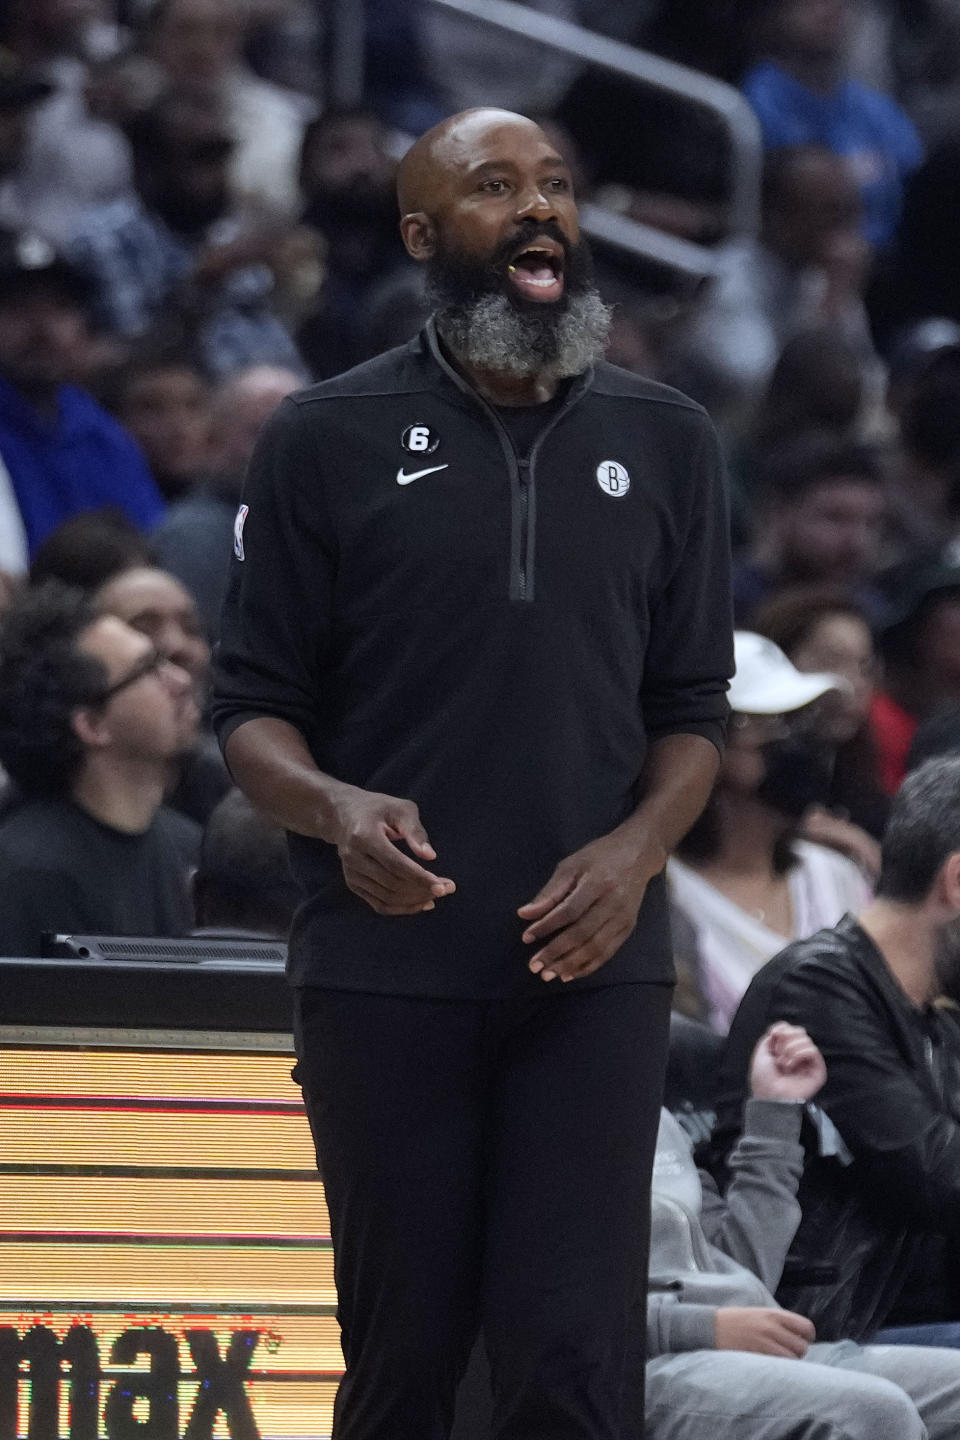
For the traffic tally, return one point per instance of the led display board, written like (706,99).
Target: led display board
(165,1262)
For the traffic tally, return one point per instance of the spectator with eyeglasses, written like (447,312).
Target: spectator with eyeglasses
(743,877)
(91,716)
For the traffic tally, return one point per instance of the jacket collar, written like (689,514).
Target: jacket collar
(873,961)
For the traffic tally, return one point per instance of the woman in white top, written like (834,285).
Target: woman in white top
(744,880)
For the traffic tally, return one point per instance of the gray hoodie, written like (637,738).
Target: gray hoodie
(708,1251)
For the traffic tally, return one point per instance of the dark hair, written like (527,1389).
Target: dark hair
(703,840)
(316,128)
(790,616)
(44,678)
(788,619)
(899,642)
(243,881)
(931,420)
(817,382)
(791,470)
(157,15)
(89,549)
(156,356)
(937,736)
(148,130)
(923,830)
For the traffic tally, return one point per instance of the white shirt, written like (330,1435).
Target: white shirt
(14,556)
(733,944)
(268,124)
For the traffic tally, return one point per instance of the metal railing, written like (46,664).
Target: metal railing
(715,98)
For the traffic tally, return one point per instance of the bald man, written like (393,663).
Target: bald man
(193,540)
(474,659)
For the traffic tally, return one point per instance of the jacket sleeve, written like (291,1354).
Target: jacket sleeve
(276,617)
(755,1222)
(673,1326)
(905,1146)
(689,657)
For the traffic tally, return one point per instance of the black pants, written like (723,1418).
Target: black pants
(488,1163)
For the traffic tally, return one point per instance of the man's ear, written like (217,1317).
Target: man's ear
(91,727)
(419,235)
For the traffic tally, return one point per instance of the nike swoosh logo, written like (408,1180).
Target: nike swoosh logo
(404,479)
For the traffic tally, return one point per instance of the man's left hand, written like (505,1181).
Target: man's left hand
(588,906)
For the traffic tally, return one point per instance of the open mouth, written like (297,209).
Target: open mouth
(537,270)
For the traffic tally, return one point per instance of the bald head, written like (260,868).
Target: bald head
(242,405)
(257,385)
(451,147)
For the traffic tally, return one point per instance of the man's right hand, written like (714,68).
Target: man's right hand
(369,828)
(763,1332)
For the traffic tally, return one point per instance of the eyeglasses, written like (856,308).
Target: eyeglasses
(151,664)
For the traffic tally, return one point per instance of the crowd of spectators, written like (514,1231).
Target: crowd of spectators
(190,230)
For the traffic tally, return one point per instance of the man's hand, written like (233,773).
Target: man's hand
(589,906)
(368,830)
(763,1332)
(786,1065)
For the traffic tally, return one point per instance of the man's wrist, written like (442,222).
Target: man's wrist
(330,809)
(650,855)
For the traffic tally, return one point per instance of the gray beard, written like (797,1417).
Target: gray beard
(490,334)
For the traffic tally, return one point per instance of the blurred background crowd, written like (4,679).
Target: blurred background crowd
(196,219)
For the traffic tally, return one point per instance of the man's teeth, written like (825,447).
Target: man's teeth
(542,277)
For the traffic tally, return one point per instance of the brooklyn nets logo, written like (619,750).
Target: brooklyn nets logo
(613,478)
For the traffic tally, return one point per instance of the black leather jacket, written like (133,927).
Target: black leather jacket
(872,1215)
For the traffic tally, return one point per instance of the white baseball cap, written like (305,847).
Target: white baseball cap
(766,683)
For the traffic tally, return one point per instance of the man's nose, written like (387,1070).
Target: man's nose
(533,202)
(172,643)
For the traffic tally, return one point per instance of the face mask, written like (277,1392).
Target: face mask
(798,775)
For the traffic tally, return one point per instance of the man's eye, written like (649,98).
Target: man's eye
(559,182)
(495,187)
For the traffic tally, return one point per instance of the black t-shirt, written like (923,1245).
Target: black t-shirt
(62,870)
(523,423)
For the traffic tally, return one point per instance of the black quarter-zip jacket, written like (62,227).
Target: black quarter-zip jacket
(494,637)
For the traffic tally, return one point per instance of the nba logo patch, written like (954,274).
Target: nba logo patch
(238,525)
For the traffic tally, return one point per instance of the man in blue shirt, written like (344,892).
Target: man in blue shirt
(60,452)
(803,95)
